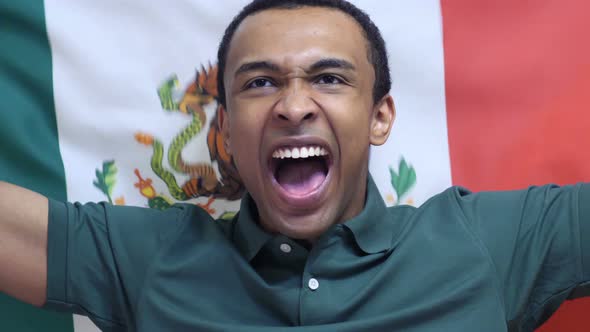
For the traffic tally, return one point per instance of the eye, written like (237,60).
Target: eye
(259,83)
(329,79)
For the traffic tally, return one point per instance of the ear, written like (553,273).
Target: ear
(223,125)
(382,120)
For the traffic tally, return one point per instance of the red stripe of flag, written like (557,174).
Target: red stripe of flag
(518,100)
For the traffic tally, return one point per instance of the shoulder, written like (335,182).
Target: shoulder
(131,226)
(456,207)
(443,201)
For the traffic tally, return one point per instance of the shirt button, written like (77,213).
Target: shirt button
(313,284)
(285,247)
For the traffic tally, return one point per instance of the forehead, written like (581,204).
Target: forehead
(295,36)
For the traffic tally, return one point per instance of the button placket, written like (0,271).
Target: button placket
(285,247)
(313,284)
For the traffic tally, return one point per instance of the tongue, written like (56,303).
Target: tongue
(301,176)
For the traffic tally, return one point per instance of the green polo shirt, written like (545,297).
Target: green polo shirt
(492,261)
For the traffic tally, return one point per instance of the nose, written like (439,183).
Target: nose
(296,106)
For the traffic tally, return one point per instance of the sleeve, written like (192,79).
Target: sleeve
(98,255)
(539,241)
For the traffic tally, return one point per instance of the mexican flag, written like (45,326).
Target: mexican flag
(115,100)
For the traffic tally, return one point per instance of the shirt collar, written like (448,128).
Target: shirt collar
(248,236)
(372,228)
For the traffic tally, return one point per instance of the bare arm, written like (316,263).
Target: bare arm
(23,244)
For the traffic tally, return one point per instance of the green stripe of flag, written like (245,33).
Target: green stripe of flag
(29,150)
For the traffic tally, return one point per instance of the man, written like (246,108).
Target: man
(304,86)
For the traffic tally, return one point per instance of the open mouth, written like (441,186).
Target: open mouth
(300,171)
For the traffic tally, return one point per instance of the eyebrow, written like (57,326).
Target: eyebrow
(331,63)
(257,65)
(316,66)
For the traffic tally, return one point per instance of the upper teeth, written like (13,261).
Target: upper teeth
(299,152)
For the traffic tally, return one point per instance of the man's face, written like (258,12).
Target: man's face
(301,117)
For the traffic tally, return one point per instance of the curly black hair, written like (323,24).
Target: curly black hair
(377,53)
